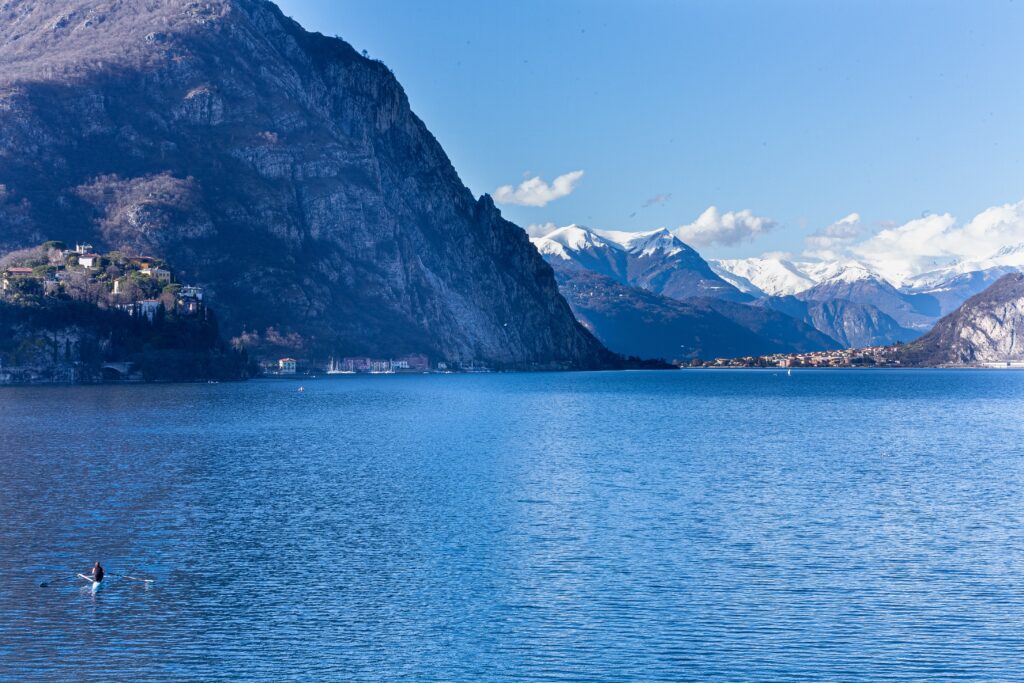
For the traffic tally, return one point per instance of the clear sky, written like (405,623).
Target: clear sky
(803,112)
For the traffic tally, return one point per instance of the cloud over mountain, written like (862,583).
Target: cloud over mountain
(536,191)
(829,242)
(922,244)
(728,228)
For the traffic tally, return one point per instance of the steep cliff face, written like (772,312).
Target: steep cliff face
(988,327)
(852,325)
(279,168)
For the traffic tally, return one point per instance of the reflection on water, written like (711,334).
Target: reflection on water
(605,526)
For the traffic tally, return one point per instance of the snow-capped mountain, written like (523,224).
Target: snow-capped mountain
(781,277)
(1008,259)
(846,300)
(762,276)
(656,261)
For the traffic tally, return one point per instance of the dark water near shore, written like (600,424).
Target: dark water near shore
(845,525)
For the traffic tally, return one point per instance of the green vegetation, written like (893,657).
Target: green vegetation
(60,319)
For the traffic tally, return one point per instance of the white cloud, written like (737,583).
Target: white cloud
(537,192)
(921,244)
(830,242)
(731,227)
(540,229)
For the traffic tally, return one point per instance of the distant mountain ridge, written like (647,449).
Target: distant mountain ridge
(845,300)
(656,261)
(650,294)
(636,322)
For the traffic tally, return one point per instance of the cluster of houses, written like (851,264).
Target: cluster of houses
(128,283)
(352,365)
(873,356)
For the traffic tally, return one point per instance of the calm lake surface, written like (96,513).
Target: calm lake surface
(730,525)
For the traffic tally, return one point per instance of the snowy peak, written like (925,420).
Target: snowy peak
(656,261)
(572,238)
(659,241)
(577,238)
(779,277)
(1005,260)
(833,272)
(771,276)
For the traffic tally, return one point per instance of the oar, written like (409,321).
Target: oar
(135,578)
(128,575)
(44,584)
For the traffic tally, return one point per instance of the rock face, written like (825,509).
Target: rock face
(988,327)
(910,310)
(277,167)
(852,325)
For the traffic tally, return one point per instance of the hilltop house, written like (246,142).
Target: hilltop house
(89,260)
(13,274)
(159,274)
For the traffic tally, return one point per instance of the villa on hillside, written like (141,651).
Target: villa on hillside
(89,260)
(161,275)
(12,274)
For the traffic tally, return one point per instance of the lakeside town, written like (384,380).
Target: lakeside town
(871,356)
(866,357)
(364,365)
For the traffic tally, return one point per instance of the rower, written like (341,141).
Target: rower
(97,572)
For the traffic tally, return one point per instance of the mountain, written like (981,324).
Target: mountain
(955,283)
(852,325)
(635,322)
(988,327)
(655,261)
(915,311)
(786,333)
(278,168)
(763,276)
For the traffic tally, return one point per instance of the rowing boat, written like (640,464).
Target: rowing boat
(96,585)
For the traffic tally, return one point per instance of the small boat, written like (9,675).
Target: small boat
(95,585)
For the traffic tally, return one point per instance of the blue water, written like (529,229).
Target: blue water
(729,525)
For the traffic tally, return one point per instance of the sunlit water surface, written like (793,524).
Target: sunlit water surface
(844,525)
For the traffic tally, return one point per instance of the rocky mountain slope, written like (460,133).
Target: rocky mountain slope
(852,325)
(909,310)
(988,327)
(635,322)
(277,167)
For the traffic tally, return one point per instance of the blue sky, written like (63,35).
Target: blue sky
(803,112)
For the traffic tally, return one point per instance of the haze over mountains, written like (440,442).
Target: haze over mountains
(847,302)
(278,168)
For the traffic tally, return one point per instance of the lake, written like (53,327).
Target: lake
(713,525)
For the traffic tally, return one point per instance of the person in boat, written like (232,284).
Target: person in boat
(97,572)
